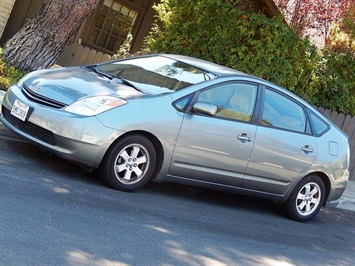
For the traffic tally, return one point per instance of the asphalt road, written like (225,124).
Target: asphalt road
(54,213)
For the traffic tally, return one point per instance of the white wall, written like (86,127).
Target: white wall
(5,11)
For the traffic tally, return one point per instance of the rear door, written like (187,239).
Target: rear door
(216,149)
(283,147)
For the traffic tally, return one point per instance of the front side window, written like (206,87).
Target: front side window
(112,25)
(234,100)
(281,112)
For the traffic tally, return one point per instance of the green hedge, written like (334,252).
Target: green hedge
(220,32)
(336,81)
(8,74)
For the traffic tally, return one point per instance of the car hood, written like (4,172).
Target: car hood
(67,85)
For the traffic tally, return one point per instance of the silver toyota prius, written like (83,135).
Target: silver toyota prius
(176,118)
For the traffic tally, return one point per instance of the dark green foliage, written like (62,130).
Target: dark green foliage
(8,74)
(336,86)
(217,31)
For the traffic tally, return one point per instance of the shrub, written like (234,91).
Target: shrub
(8,74)
(336,82)
(218,31)
(336,85)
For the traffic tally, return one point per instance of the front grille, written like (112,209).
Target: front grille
(34,97)
(29,128)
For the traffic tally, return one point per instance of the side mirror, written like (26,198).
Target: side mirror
(205,108)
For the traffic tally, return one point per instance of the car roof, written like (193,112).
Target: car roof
(205,65)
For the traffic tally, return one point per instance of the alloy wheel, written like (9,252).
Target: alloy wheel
(131,163)
(308,198)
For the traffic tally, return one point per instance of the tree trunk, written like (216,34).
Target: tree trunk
(43,38)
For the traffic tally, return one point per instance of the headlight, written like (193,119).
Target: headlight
(94,105)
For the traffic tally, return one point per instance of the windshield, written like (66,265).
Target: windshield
(156,74)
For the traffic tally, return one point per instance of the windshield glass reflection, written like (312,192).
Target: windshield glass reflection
(156,74)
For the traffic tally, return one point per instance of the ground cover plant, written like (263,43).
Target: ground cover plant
(8,74)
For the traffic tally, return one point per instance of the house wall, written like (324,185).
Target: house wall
(141,29)
(145,26)
(15,13)
(5,7)
(21,11)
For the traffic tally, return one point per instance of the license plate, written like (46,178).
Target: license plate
(20,110)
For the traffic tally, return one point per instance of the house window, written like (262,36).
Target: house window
(111,27)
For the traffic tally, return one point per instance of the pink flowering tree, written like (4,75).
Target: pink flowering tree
(316,16)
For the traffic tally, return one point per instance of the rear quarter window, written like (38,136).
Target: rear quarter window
(319,126)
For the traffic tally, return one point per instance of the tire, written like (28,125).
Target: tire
(129,163)
(306,199)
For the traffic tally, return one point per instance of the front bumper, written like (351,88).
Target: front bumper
(77,138)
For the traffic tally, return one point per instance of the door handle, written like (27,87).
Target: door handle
(307,149)
(244,137)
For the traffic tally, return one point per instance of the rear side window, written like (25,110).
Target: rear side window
(283,113)
(319,126)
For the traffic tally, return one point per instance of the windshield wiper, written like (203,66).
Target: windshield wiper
(207,75)
(93,68)
(124,81)
(128,83)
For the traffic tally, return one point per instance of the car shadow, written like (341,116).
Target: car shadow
(214,197)
(38,158)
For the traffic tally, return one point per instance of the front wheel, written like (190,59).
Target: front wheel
(129,164)
(306,199)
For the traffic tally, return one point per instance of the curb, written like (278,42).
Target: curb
(346,202)
(2,93)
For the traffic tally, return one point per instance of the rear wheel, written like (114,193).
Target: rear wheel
(129,164)
(306,199)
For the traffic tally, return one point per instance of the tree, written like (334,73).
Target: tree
(318,15)
(349,21)
(43,38)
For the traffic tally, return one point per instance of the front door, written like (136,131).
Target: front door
(216,149)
